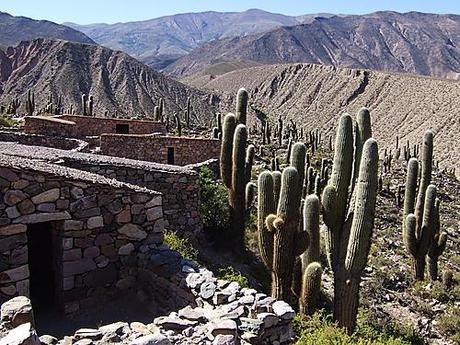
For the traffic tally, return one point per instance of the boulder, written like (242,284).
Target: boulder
(17,311)
(21,335)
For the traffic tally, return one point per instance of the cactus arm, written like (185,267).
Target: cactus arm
(276,175)
(298,153)
(364,211)
(266,206)
(332,236)
(425,180)
(226,149)
(311,288)
(250,152)
(249,195)
(241,106)
(410,239)
(311,211)
(363,132)
(411,189)
(343,164)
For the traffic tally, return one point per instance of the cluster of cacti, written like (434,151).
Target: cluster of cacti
(421,225)
(236,161)
(87,105)
(314,140)
(284,238)
(13,106)
(348,213)
(52,108)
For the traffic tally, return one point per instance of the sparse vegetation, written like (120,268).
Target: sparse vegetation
(231,275)
(180,245)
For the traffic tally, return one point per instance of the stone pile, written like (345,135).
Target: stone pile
(222,313)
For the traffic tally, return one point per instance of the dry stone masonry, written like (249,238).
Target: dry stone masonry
(76,126)
(160,149)
(96,226)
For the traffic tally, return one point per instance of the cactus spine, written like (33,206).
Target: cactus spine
(349,221)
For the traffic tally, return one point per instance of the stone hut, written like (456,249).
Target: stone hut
(70,238)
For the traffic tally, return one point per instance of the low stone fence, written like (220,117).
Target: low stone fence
(217,311)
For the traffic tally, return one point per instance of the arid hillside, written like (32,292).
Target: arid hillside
(117,82)
(316,95)
(413,42)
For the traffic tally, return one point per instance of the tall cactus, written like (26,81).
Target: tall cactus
(289,242)
(84,100)
(188,112)
(349,220)
(235,169)
(30,104)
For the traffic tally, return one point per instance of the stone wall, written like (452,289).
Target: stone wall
(43,140)
(76,126)
(100,226)
(160,149)
(179,186)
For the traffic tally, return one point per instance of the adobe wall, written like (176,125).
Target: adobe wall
(154,148)
(81,126)
(101,227)
(179,186)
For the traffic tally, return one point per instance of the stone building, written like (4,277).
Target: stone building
(69,238)
(161,149)
(77,126)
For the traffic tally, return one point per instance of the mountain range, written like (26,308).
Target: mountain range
(160,41)
(419,43)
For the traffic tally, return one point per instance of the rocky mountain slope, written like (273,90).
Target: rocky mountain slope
(117,82)
(316,95)
(160,41)
(413,42)
(16,29)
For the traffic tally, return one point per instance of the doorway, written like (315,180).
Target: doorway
(170,155)
(122,128)
(43,268)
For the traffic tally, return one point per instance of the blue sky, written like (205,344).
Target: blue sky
(111,11)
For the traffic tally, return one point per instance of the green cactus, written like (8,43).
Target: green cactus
(188,112)
(242,106)
(421,213)
(276,175)
(286,235)
(417,244)
(298,161)
(235,169)
(438,244)
(266,206)
(30,104)
(280,131)
(311,288)
(349,220)
(84,105)
(178,124)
